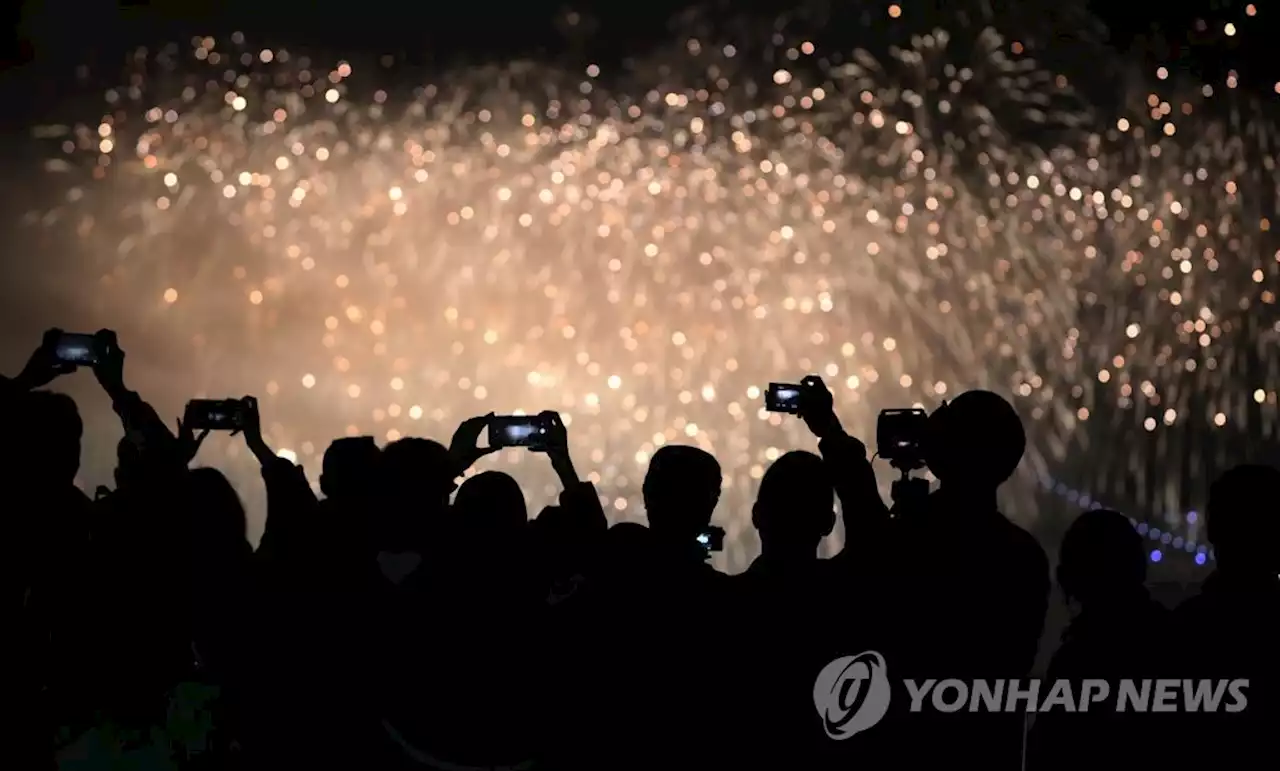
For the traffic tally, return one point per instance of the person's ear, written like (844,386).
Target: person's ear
(829,523)
(756,515)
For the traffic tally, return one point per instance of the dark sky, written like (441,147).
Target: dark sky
(46,31)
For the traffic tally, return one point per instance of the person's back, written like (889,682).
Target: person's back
(1231,630)
(47,559)
(1118,634)
(669,613)
(971,586)
(787,610)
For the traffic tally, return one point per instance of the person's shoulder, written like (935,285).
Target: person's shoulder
(1026,546)
(1194,616)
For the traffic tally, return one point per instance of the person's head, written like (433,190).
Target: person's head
(350,467)
(128,462)
(49,428)
(491,503)
(795,507)
(975,442)
(418,471)
(1244,519)
(217,517)
(1101,558)
(681,490)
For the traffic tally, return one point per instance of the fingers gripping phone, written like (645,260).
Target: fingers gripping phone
(531,431)
(218,414)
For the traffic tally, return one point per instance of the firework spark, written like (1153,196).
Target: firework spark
(644,253)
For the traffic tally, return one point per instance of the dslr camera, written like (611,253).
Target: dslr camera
(900,437)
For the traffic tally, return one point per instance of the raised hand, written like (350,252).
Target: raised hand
(557,437)
(251,427)
(188,442)
(817,408)
(557,447)
(463,444)
(109,367)
(44,366)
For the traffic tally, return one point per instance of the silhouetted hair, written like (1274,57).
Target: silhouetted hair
(977,439)
(682,478)
(350,466)
(415,461)
(218,517)
(1244,518)
(491,498)
(49,426)
(797,478)
(796,500)
(1101,554)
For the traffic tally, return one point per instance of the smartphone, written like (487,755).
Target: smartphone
(899,434)
(529,431)
(712,539)
(216,414)
(76,348)
(783,397)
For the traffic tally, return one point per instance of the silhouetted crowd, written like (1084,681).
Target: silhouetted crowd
(401,621)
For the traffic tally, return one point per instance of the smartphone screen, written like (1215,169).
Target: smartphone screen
(712,539)
(517,431)
(77,349)
(783,397)
(214,414)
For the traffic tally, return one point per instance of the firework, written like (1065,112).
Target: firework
(643,251)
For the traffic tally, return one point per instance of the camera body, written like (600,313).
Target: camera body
(218,414)
(530,431)
(80,349)
(900,437)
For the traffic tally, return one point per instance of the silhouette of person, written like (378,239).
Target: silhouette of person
(972,587)
(491,505)
(794,511)
(1231,630)
(786,608)
(1118,633)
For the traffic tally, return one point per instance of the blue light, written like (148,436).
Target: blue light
(1200,559)
(1142,528)
(1177,542)
(1192,517)
(1156,556)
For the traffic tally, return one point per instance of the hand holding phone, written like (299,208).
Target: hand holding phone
(785,398)
(531,431)
(217,414)
(712,539)
(78,349)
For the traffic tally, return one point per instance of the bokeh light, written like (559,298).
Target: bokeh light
(645,250)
